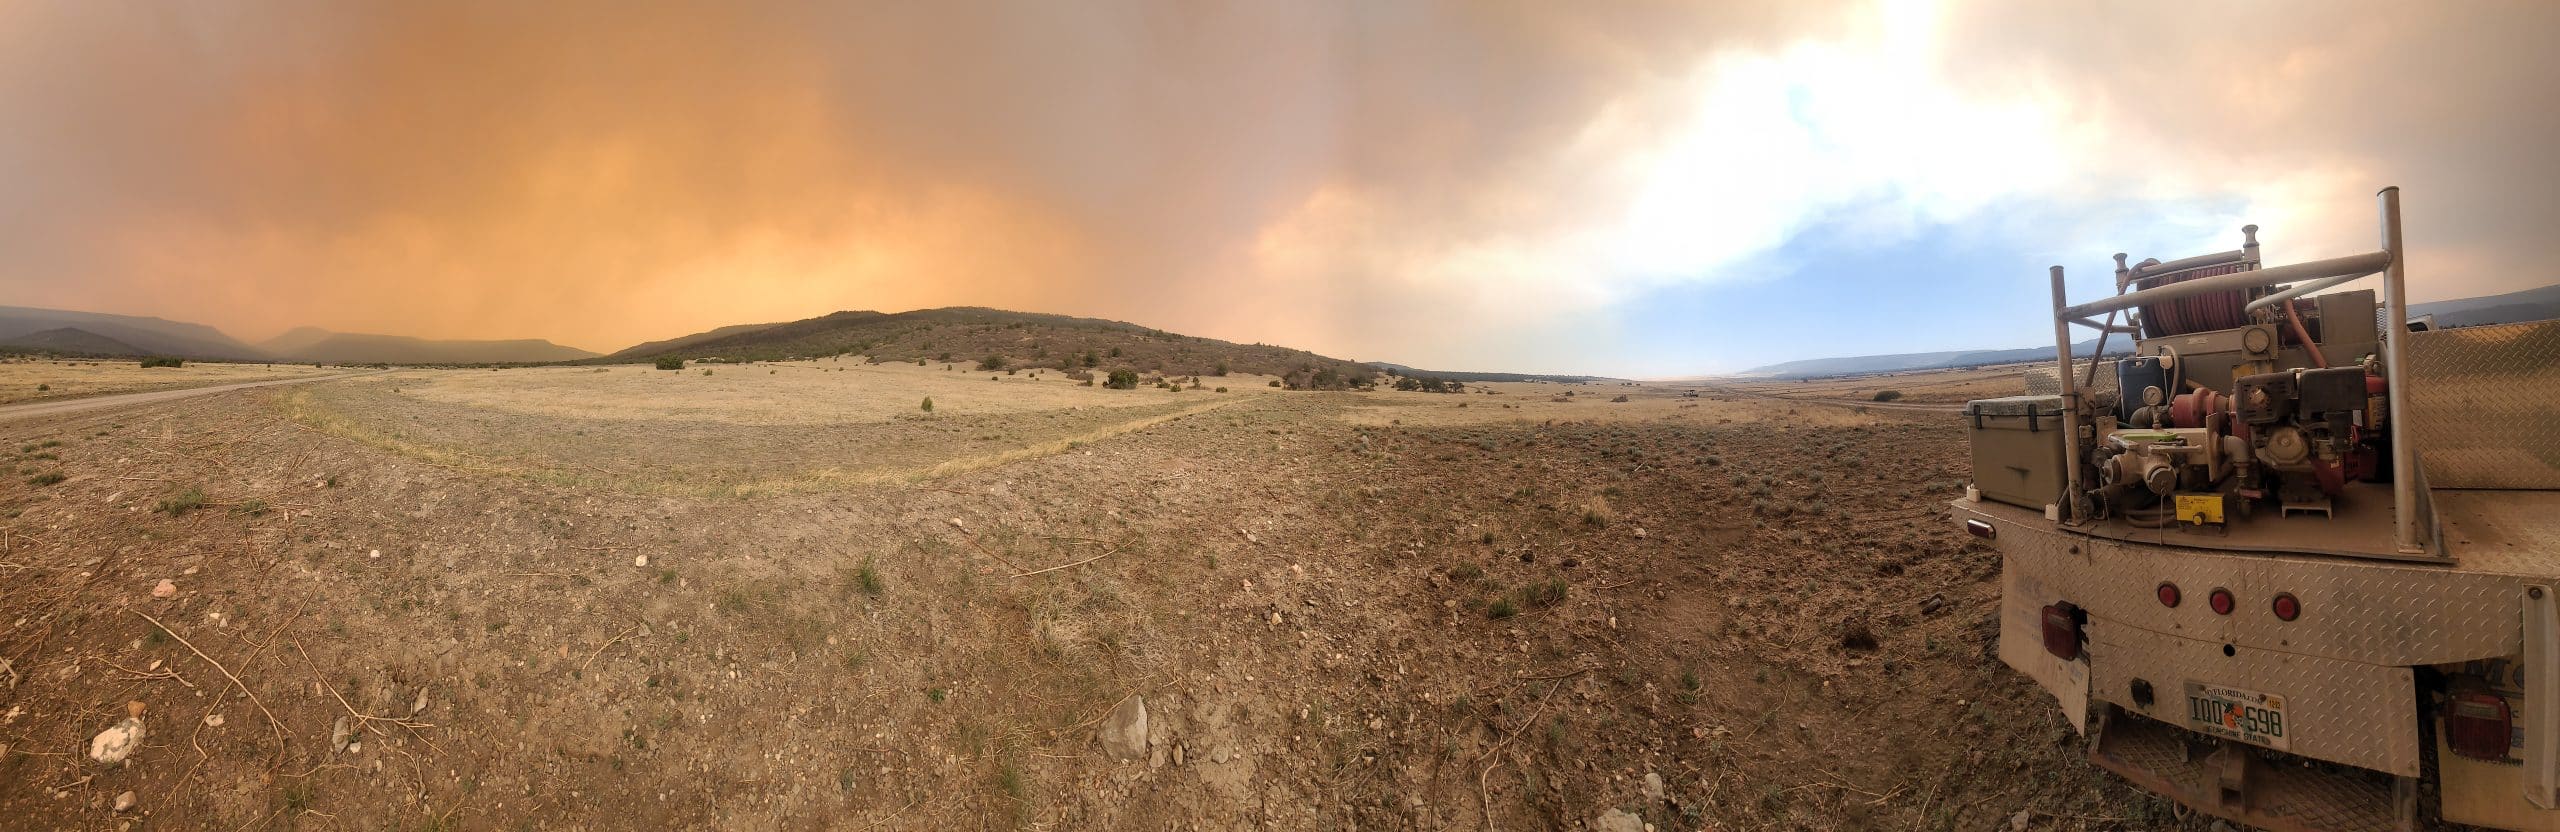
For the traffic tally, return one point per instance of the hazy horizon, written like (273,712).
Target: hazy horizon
(1638,190)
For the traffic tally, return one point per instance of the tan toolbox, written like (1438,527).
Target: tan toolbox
(2017,449)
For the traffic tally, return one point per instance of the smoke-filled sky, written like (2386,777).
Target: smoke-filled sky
(1633,188)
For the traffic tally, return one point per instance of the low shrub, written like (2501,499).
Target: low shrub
(669,362)
(1888,395)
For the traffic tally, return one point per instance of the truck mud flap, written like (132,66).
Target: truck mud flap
(2231,781)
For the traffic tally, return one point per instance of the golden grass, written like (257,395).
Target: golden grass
(19,378)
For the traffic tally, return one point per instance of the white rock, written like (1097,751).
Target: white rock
(125,801)
(640,560)
(2018,822)
(1617,820)
(113,745)
(377,553)
(1653,786)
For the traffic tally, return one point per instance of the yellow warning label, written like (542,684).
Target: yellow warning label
(2200,508)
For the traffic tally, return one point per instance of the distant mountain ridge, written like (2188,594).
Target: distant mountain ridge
(305,344)
(70,341)
(2513,307)
(145,336)
(1941,360)
(1461,375)
(98,333)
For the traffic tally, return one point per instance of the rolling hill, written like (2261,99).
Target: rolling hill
(971,335)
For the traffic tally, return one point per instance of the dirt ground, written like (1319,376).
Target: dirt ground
(25,379)
(785,597)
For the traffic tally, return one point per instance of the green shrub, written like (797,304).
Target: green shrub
(1888,395)
(669,362)
(45,479)
(1275,382)
(1222,389)
(928,404)
(1501,608)
(163,361)
(992,362)
(1544,593)
(866,579)
(191,500)
(1123,380)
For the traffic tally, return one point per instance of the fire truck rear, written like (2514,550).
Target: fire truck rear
(2293,562)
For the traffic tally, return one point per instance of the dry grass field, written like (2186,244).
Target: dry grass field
(45,379)
(786,597)
(1932,387)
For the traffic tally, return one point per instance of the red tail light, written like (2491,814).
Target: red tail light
(2221,601)
(2478,725)
(2062,630)
(2287,607)
(2169,596)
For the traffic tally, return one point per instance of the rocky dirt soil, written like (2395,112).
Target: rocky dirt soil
(1290,611)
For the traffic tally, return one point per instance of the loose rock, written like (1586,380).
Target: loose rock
(1124,731)
(1653,787)
(113,745)
(166,589)
(125,802)
(1618,820)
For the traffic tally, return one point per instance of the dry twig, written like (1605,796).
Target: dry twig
(1114,551)
(273,724)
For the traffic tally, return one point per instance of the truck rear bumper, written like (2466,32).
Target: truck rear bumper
(2230,781)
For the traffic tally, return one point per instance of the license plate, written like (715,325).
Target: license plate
(2248,716)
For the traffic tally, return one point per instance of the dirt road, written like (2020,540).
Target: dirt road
(30,411)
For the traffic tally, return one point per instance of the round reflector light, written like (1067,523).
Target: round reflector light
(2287,607)
(2221,600)
(2169,594)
